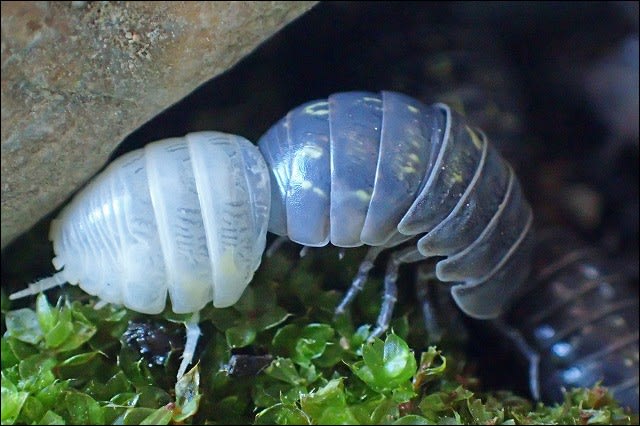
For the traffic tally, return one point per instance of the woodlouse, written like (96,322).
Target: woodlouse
(577,323)
(188,216)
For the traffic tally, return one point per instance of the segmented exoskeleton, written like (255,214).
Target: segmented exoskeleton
(578,323)
(188,216)
(380,169)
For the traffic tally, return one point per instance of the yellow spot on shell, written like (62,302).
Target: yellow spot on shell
(228,264)
(308,185)
(363,195)
(413,109)
(408,169)
(319,108)
(456,177)
(474,138)
(319,191)
(312,151)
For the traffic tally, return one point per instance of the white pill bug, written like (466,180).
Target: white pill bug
(184,216)
(188,216)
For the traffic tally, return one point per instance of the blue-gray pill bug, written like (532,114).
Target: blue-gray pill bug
(374,169)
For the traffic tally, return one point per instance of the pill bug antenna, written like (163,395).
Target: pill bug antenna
(44,284)
(193,334)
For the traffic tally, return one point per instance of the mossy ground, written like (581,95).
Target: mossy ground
(65,362)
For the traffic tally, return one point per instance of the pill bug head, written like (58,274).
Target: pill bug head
(184,216)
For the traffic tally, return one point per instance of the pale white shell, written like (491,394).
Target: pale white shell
(187,216)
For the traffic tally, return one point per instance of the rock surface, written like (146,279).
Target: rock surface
(77,77)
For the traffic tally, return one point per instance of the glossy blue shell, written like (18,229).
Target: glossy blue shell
(379,169)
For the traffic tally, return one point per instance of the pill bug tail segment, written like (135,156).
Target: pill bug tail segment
(44,284)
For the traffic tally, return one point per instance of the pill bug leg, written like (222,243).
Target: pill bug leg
(358,282)
(406,255)
(278,242)
(444,323)
(304,251)
(426,275)
(193,334)
(275,246)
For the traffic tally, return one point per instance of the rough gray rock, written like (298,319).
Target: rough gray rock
(77,77)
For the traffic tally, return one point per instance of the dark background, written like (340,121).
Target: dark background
(520,70)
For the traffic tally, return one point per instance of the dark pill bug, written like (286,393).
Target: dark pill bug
(578,323)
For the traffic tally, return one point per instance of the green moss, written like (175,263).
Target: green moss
(67,364)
